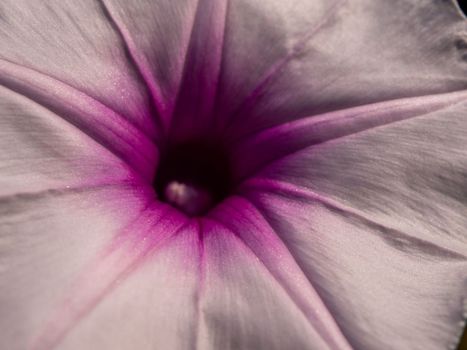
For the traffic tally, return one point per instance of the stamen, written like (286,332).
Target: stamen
(190,199)
(194,176)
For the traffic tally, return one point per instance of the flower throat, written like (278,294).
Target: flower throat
(194,176)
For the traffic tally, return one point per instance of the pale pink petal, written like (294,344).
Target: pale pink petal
(253,152)
(157,35)
(149,300)
(365,51)
(243,305)
(71,46)
(46,239)
(385,288)
(376,220)
(42,151)
(261,39)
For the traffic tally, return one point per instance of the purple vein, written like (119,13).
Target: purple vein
(417,104)
(388,234)
(221,27)
(183,60)
(59,191)
(201,284)
(326,325)
(203,60)
(101,277)
(82,112)
(280,65)
(10,68)
(141,64)
(221,58)
(301,134)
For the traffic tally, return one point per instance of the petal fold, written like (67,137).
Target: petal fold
(385,289)
(364,52)
(75,43)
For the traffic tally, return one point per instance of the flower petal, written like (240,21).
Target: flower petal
(42,151)
(244,306)
(260,40)
(149,299)
(376,220)
(157,35)
(45,240)
(63,198)
(409,175)
(75,46)
(251,153)
(386,289)
(365,51)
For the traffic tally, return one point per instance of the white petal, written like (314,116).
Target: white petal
(242,305)
(74,45)
(359,52)
(46,239)
(386,289)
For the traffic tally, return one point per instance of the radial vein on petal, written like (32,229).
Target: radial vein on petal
(84,113)
(26,196)
(141,64)
(99,278)
(221,57)
(183,59)
(201,285)
(322,320)
(279,66)
(203,62)
(9,68)
(304,133)
(415,106)
(389,234)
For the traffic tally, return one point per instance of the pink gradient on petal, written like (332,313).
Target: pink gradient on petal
(108,128)
(196,99)
(257,150)
(149,232)
(162,107)
(244,220)
(371,267)
(251,187)
(277,68)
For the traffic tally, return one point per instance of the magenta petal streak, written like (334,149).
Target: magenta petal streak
(156,225)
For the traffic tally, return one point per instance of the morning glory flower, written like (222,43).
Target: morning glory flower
(244,174)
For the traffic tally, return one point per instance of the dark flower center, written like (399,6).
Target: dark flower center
(194,176)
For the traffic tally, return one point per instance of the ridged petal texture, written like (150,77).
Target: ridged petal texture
(347,126)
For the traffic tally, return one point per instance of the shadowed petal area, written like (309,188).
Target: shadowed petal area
(257,150)
(75,43)
(157,35)
(210,44)
(366,51)
(261,38)
(194,113)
